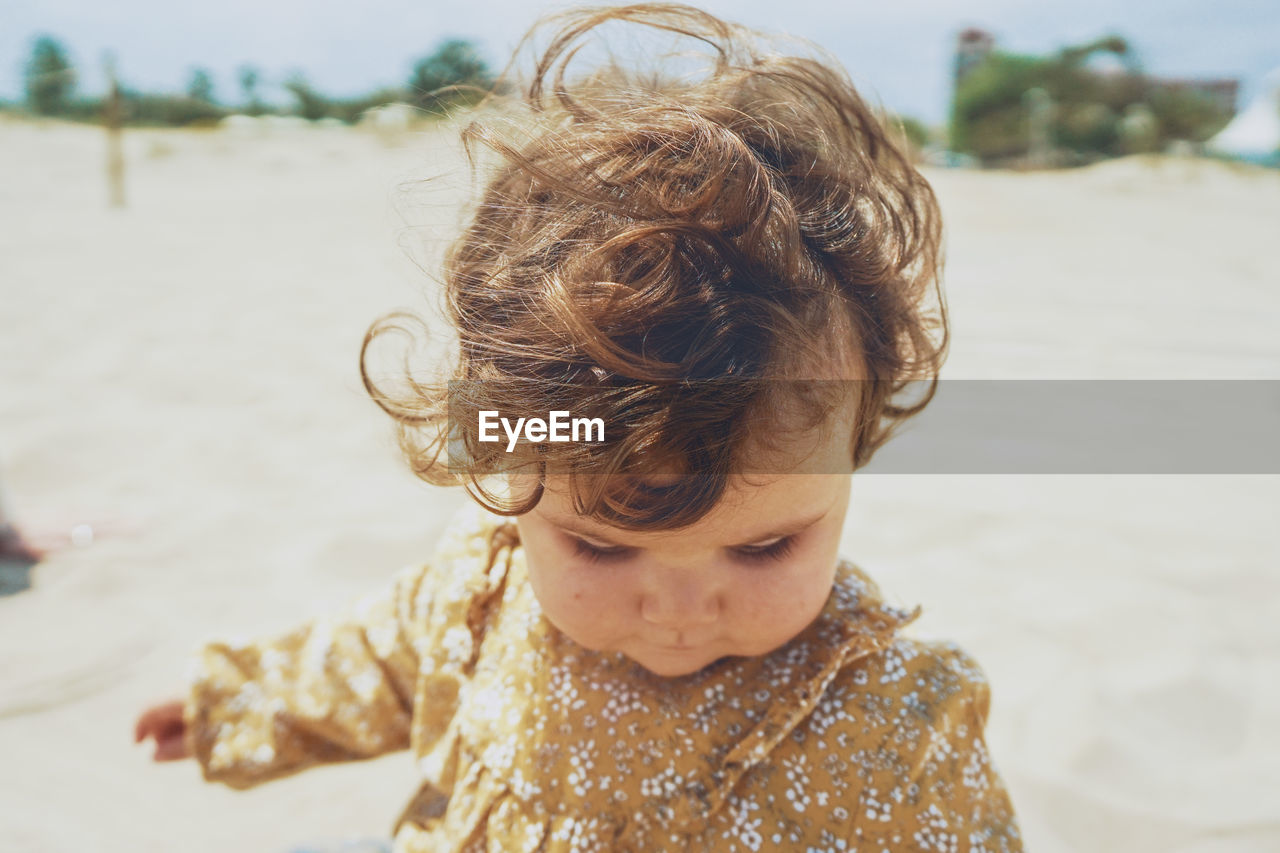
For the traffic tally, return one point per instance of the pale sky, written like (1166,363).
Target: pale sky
(898,51)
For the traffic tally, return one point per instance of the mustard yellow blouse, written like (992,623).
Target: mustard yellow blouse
(849,737)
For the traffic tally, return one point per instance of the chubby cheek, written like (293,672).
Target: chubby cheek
(579,605)
(769,614)
(781,604)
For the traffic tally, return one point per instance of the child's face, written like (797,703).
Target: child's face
(745,579)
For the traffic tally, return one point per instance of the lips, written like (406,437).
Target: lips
(681,647)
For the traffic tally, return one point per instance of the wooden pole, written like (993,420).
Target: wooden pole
(113,121)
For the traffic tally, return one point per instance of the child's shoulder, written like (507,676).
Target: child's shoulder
(465,563)
(900,665)
(857,604)
(471,534)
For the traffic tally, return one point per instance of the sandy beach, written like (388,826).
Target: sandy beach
(181,376)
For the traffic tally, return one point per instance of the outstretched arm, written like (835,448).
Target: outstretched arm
(336,689)
(332,690)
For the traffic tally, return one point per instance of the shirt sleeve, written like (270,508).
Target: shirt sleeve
(935,786)
(335,689)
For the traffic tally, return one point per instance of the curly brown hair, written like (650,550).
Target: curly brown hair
(672,253)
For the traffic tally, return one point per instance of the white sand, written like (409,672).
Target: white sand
(182,374)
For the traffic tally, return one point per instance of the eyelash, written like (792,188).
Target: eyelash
(599,555)
(777,551)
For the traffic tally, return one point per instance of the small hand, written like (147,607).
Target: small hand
(164,723)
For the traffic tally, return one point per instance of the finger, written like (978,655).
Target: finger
(156,718)
(170,749)
(142,727)
(151,721)
(165,752)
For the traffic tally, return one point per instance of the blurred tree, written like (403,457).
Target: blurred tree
(311,104)
(987,111)
(353,109)
(1139,129)
(1186,114)
(249,80)
(911,133)
(915,131)
(991,115)
(49,77)
(1092,114)
(169,110)
(200,88)
(1088,127)
(455,63)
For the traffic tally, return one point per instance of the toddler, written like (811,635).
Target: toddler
(640,635)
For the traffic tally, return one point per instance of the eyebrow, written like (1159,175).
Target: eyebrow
(569,525)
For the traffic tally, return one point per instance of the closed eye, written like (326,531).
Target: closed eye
(598,554)
(762,553)
(778,550)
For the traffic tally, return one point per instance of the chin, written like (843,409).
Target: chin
(676,667)
(669,671)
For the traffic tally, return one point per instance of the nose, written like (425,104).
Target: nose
(679,599)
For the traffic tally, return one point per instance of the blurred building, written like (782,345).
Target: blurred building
(1093,101)
(972,47)
(1222,92)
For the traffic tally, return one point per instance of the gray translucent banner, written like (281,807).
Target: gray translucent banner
(1069,426)
(1034,426)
